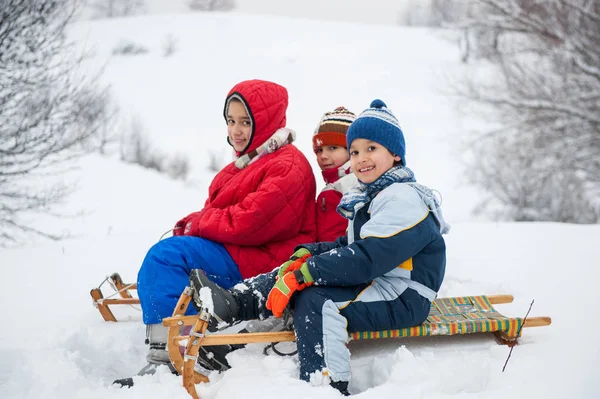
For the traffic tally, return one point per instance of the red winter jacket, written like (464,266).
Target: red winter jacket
(330,224)
(261,212)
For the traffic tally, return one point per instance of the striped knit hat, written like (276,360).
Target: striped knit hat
(332,128)
(378,124)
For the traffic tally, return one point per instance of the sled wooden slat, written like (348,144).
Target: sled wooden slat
(178,320)
(537,322)
(99,302)
(249,338)
(123,290)
(121,301)
(499,299)
(448,316)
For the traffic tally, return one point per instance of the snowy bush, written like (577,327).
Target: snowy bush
(216,161)
(115,8)
(127,47)
(211,5)
(136,148)
(169,45)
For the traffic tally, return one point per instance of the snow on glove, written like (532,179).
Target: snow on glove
(296,260)
(284,288)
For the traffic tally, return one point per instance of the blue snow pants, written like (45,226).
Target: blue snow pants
(166,270)
(323,317)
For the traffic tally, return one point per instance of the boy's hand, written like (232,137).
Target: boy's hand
(284,288)
(295,262)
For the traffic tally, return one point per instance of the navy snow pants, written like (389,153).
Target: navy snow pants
(323,317)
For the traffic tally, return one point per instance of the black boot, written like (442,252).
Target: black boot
(341,386)
(212,357)
(225,308)
(148,369)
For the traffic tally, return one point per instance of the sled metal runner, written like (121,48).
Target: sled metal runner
(123,290)
(448,316)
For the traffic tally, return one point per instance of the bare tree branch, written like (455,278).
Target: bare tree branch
(541,161)
(49,115)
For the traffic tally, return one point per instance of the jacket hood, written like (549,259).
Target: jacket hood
(266,104)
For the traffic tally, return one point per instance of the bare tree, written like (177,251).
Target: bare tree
(115,8)
(48,112)
(544,154)
(211,5)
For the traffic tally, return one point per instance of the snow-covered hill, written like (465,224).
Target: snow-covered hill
(375,12)
(54,344)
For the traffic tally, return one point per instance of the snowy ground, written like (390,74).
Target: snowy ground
(54,344)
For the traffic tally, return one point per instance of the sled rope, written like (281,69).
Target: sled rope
(114,287)
(165,233)
(118,291)
(519,333)
(123,290)
(288,325)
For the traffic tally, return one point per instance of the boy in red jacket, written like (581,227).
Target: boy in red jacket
(329,144)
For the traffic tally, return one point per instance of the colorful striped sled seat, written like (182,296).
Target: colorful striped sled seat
(463,315)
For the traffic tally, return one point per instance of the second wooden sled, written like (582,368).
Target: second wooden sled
(448,316)
(124,291)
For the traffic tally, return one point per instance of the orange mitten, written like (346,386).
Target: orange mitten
(284,288)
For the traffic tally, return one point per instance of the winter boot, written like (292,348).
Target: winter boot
(225,308)
(213,357)
(341,386)
(156,335)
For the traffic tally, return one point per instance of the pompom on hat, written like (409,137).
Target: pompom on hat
(378,124)
(332,128)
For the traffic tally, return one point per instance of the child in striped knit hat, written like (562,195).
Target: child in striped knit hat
(329,144)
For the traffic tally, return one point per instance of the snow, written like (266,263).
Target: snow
(378,11)
(206,298)
(54,344)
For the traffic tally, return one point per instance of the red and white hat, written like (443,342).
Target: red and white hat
(332,128)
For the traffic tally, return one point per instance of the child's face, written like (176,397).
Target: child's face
(331,156)
(369,160)
(239,125)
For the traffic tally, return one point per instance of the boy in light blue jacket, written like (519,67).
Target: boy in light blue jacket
(383,275)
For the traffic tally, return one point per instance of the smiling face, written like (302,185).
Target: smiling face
(370,160)
(331,156)
(239,125)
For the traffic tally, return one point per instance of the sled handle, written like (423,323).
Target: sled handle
(498,299)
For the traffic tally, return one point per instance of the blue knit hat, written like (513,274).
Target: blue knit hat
(378,124)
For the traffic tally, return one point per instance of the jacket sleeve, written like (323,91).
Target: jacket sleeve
(330,224)
(399,229)
(271,213)
(318,248)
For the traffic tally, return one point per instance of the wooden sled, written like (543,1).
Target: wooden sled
(448,316)
(123,290)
